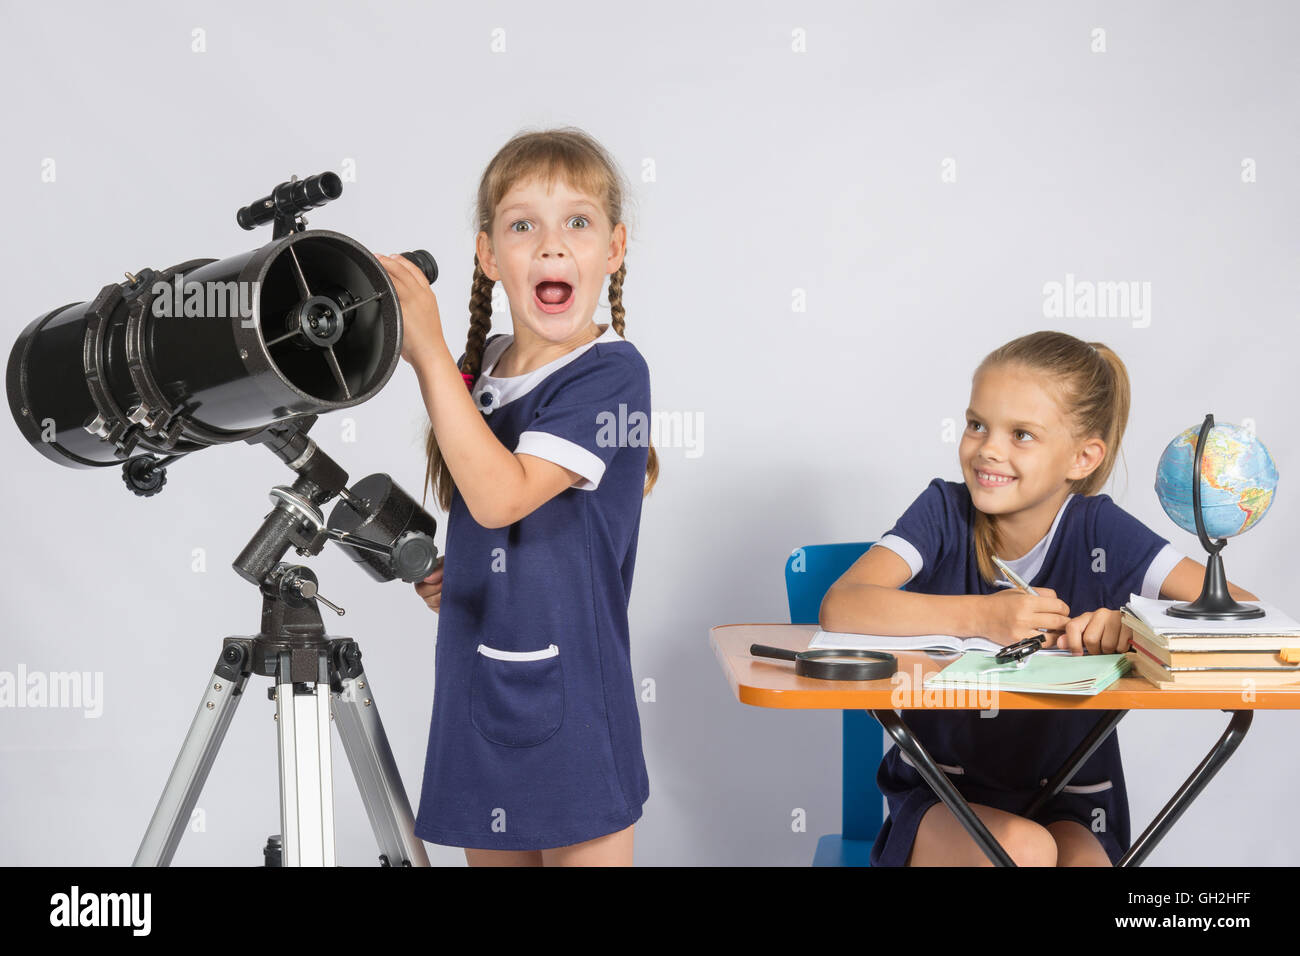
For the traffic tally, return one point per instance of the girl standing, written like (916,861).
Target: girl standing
(1047,412)
(534,750)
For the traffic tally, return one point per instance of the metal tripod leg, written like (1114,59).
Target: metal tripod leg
(306,783)
(366,745)
(224,691)
(327,674)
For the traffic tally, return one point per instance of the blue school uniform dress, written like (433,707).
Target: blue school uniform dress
(1003,761)
(535,740)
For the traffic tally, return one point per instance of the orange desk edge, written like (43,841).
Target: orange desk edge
(763,682)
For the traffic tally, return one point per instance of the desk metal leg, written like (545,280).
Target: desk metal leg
(1191,788)
(943,787)
(1095,738)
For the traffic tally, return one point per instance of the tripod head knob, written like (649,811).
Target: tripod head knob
(144,476)
(308,590)
(296,586)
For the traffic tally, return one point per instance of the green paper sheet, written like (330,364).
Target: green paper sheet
(1042,673)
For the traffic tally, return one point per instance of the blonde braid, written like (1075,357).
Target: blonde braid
(480,323)
(616,320)
(616,310)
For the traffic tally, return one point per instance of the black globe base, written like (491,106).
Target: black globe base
(1215,603)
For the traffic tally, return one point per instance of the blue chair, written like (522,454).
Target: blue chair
(809,573)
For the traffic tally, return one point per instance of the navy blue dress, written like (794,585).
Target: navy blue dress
(535,739)
(1095,555)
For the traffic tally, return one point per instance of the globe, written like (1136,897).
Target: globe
(1238,479)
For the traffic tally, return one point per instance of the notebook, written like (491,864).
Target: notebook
(1274,623)
(1043,672)
(1219,678)
(840,641)
(1165,635)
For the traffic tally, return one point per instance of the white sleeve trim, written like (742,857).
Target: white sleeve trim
(1166,560)
(904,549)
(564,453)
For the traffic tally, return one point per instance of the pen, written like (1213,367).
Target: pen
(1013,577)
(1021,649)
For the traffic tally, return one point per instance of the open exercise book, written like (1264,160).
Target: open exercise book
(921,642)
(1043,672)
(1049,671)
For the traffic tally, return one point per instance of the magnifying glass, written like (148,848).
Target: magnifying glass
(1019,652)
(832,664)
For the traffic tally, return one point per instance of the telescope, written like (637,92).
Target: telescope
(207,352)
(249,348)
(252,348)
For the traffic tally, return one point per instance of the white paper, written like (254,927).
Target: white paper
(1152,612)
(912,642)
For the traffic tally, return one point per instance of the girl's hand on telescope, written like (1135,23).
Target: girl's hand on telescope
(421,323)
(430,589)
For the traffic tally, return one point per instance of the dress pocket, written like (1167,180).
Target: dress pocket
(947,768)
(1083,787)
(517,697)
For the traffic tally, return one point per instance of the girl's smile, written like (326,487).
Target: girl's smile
(1014,445)
(1018,455)
(991,479)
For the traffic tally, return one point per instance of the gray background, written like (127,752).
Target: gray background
(775,171)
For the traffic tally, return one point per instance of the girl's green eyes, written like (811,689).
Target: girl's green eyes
(972,425)
(524,222)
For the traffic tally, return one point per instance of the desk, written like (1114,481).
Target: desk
(763,682)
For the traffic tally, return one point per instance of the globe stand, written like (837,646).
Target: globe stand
(1215,602)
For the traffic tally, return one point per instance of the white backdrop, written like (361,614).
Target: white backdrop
(839,209)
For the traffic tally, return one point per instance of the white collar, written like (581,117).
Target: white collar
(500,391)
(1028,566)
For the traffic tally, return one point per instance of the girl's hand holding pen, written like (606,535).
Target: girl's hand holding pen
(421,322)
(431,588)
(1012,615)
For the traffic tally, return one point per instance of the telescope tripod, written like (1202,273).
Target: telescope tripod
(316,677)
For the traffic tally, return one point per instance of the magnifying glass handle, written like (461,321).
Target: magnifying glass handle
(762,650)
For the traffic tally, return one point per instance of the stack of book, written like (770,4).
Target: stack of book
(1174,652)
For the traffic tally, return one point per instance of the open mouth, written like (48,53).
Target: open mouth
(553,297)
(988,480)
